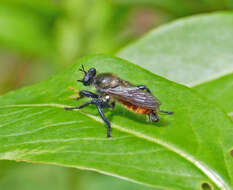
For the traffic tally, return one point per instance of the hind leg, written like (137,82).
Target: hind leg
(153,116)
(166,112)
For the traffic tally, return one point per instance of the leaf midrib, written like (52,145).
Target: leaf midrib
(212,175)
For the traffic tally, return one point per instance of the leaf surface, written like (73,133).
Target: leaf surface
(220,91)
(182,151)
(189,51)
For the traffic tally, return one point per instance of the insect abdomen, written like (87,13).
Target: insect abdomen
(135,108)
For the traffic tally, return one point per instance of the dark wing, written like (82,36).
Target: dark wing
(134,95)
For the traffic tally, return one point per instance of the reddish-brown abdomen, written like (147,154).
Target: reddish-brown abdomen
(135,108)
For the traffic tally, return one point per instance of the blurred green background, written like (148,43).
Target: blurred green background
(41,37)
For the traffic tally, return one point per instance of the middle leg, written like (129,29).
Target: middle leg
(105,120)
(99,103)
(143,87)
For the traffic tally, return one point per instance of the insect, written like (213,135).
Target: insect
(110,89)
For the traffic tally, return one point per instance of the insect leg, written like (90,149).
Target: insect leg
(112,105)
(107,102)
(85,93)
(153,116)
(166,112)
(143,87)
(78,107)
(108,105)
(100,103)
(104,119)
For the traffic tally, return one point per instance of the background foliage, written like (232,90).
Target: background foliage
(40,38)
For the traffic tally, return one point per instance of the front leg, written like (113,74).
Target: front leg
(88,94)
(78,107)
(84,93)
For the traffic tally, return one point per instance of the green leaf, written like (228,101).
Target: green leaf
(46,8)
(24,32)
(181,7)
(38,177)
(189,51)
(230,3)
(220,91)
(177,7)
(188,150)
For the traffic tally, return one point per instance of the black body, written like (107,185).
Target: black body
(111,88)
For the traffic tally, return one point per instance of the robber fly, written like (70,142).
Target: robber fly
(111,88)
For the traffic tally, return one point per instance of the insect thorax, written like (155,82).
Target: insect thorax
(106,80)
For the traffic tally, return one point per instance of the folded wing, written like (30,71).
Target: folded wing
(134,96)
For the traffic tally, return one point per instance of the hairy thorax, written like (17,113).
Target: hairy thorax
(108,80)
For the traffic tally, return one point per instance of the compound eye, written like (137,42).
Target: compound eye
(92,71)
